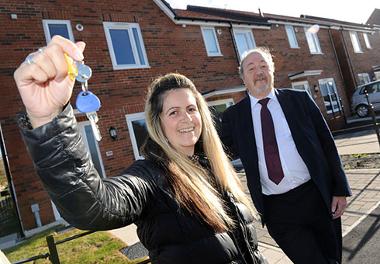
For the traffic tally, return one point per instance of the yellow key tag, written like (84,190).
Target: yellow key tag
(72,70)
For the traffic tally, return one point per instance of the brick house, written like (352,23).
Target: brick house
(357,47)
(129,43)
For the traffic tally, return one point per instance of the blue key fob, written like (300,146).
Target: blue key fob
(87,102)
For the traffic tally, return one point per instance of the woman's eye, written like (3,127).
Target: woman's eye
(172,113)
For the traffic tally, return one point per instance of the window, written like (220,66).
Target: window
(355,42)
(244,40)
(302,86)
(313,42)
(291,36)
(92,146)
(126,45)
(217,108)
(372,89)
(366,40)
(330,95)
(363,78)
(138,132)
(211,41)
(57,27)
(377,75)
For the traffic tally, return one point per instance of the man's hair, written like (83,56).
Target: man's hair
(190,182)
(264,51)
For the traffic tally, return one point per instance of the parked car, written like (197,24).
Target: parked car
(359,100)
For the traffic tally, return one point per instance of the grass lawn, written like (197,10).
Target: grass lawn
(99,247)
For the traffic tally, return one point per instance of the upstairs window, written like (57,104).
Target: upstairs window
(211,41)
(244,40)
(291,36)
(366,40)
(313,42)
(355,42)
(126,45)
(57,27)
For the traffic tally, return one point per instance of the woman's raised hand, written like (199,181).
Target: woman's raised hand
(43,81)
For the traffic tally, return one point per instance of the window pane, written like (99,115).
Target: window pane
(355,42)
(59,29)
(244,42)
(141,132)
(138,46)
(122,46)
(93,149)
(366,39)
(310,42)
(210,41)
(291,36)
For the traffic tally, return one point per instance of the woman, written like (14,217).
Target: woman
(185,197)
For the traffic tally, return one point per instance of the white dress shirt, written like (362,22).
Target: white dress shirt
(294,168)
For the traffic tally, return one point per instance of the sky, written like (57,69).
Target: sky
(350,11)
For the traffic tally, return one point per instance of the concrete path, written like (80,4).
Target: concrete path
(357,143)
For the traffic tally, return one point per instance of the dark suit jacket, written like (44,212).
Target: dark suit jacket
(311,135)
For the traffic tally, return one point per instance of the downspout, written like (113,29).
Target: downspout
(340,72)
(10,182)
(348,57)
(234,44)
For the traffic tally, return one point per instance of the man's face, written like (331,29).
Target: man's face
(258,76)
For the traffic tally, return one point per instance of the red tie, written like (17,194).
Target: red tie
(272,156)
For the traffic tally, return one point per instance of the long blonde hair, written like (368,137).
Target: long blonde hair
(191,183)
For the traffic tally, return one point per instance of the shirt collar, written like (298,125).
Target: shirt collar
(271,95)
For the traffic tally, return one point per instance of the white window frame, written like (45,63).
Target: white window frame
(46,22)
(130,118)
(313,41)
(292,38)
(334,103)
(363,78)
(366,40)
(305,85)
(207,45)
(228,102)
(126,26)
(82,126)
(355,42)
(248,34)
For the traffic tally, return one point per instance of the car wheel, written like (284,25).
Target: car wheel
(362,110)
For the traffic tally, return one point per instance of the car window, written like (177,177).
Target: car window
(370,89)
(376,88)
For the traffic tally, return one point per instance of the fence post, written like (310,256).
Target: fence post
(54,258)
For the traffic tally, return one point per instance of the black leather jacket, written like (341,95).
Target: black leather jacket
(141,196)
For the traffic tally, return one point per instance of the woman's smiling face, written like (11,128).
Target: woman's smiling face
(181,120)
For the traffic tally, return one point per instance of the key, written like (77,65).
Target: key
(86,102)
(93,118)
(89,103)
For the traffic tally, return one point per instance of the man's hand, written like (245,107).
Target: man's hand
(338,205)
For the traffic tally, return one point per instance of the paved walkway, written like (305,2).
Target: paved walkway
(358,142)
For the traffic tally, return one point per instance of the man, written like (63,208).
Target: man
(292,166)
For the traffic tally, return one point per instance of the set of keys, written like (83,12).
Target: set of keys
(86,102)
